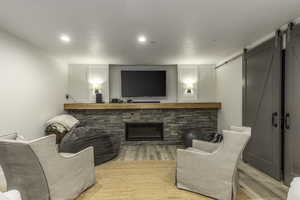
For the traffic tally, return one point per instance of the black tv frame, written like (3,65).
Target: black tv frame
(125,91)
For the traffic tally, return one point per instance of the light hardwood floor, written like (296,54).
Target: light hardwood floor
(256,184)
(148,152)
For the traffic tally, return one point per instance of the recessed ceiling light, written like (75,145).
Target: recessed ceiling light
(142,39)
(65,38)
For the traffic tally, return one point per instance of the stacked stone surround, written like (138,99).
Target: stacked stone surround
(175,121)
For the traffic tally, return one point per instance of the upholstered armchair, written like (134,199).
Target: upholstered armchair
(211,169)
(294,191)
(39,172)
(10,195)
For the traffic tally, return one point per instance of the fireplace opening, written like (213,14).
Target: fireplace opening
(144,131)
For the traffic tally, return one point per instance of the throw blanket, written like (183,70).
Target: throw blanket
(63,123)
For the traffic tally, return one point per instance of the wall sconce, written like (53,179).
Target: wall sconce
(96,85)
(189,86)
(96,88)
(189,91)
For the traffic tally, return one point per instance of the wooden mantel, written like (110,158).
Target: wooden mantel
(128,106)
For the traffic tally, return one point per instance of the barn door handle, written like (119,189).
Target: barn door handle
(275,119)
(287,121)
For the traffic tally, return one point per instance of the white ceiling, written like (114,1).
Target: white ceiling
(184,31)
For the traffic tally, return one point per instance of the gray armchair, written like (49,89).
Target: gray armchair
(211,169)
(39,172)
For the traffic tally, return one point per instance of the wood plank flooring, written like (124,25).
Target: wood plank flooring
(148,152)
(256,184)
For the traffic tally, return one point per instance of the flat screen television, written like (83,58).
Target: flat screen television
(143,83)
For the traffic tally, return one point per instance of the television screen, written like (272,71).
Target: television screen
(143,83)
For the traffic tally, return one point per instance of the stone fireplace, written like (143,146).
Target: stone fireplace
(175,122)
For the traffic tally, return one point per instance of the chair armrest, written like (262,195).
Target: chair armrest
(49,139)
(187,156)
(66,176)
(85,153)
(79,163)
(202,167)
(73,173)
(201,163)
(71,166)
(205,146)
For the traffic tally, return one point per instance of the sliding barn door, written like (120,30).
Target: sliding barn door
(262,106)
(292,106)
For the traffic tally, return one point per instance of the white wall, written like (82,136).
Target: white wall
(171,81)
(32,87)
(201,78)
(81,80)
(206,83)
(230,93)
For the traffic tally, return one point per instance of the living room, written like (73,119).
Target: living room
(149,100)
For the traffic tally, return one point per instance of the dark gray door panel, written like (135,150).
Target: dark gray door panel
(292,106)
(262,106)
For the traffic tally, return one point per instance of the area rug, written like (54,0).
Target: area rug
(140,180)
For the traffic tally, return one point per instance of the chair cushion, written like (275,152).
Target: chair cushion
(67,155)
(198,151)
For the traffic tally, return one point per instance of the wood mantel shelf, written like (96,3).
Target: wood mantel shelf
(128,106)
